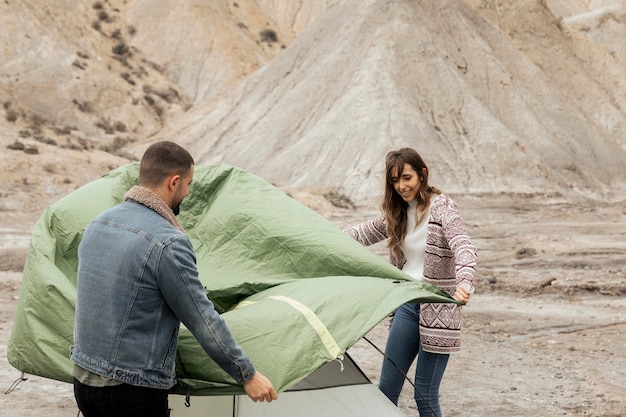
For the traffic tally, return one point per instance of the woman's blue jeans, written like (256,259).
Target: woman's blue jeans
(403,345)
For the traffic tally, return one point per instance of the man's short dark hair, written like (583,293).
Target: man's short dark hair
(161,160)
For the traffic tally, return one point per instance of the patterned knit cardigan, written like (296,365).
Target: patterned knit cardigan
(449,262)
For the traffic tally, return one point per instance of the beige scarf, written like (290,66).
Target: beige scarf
(151,200)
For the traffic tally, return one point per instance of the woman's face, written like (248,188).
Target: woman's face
(406,183)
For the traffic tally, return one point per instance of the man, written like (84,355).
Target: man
(137,280)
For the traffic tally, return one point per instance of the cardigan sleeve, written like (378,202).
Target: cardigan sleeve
(368,233)
(465,253)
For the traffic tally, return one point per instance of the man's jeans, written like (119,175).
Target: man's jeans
(402,347)
(121,401)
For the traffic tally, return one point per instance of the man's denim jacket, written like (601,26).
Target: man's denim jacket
(137,280)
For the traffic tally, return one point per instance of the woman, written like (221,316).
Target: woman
(428,241)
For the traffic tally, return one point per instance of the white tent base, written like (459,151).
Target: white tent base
(363,400)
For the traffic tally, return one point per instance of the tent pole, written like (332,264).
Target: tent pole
(402,372)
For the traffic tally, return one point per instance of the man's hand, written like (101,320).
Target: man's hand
(259,388)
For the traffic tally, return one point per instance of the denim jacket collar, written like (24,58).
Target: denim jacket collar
(150,199)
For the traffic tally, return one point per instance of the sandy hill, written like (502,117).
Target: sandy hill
(509,96)
(498,98)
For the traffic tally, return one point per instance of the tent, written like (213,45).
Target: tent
(293,288)
(338,389)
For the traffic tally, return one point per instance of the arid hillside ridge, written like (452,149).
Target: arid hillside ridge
(521,97)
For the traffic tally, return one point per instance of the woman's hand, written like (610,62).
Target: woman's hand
(463,293)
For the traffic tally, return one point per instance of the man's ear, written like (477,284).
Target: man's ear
(173,181)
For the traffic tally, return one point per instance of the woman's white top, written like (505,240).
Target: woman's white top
(414,247)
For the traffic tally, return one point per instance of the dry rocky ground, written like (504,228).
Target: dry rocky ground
(543,336)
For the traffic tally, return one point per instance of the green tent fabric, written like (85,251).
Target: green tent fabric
(293,288)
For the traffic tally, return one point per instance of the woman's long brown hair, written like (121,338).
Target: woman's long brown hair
(394,207)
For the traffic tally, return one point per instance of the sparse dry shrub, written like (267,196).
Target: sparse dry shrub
(73,146)
(78,64)
(46,140)
(120,127)
(168,95)
(84,143)
(32,150)
(16,146)
(140,72)
(123,60)
(105,125)
(339,200)
(116,34)
(574,169)
(153,65)
(36,129)
(11,115)
(525,253)
(120,49)
(103,16)
(65,130)
(77,144)
(97,5)
(116,147)
(131,30)
(84,106)
(269,36)
(126,76)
